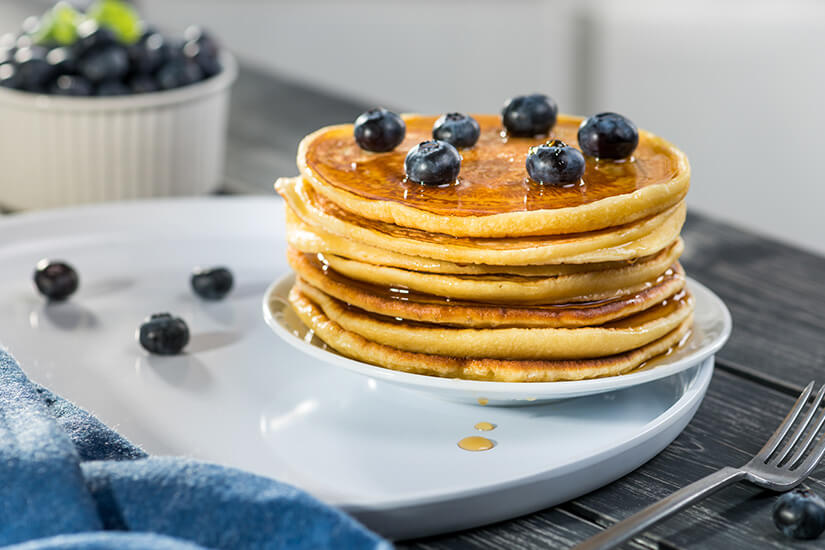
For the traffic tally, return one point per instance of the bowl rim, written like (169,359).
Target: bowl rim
(150,100)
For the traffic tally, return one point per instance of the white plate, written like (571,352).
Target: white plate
(243,398)
(712,326)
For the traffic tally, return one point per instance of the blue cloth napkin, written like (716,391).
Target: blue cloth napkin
(69,482)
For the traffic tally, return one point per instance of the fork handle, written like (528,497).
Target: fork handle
(696,491)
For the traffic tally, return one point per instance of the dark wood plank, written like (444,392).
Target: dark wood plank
(776,295)
(551,528)
(735,419)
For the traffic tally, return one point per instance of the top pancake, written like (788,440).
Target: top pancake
(494,196)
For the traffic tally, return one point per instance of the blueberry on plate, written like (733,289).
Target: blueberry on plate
(112,88)
(555,162)
(55,280)
(529,115)
(433,163)
(105,63)
(163,334)
(71,85)
(608,136)
(212,284)
(456,129)
(800,514)
(379,130)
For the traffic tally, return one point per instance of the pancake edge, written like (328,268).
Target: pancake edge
(356,347)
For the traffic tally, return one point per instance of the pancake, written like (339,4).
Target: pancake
(427,308)
(508,343)
(502,370)
(633,240)
(317,241)
(574,287)
(493,197)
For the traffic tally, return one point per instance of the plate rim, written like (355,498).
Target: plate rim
(492,389)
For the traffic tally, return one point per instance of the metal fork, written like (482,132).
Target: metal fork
(771,468)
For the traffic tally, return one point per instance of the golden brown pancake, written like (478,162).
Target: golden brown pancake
(493,197)
(633,240)
(502,370)
(509,342)
(416,306)
(317,241)
(584,286)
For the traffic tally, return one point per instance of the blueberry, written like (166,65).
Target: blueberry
(8,41)
(112,88)
(433,163)
(63,60)
(529,115)
(105,63)
(212,284)
(379,130)
(10,77)
(24,41)
(800,514)
(208,64)
(35,71)
(55,280)
(142,84)
(71,86)
(555,162)
(456,129)
(163,334)
(178,73)
(91,36)
(609,136)
(206,43)
(30,24)
(169,76)
(148,54)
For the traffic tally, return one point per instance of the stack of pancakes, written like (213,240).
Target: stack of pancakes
(495,277)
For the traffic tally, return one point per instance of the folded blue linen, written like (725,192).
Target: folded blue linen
(67,481)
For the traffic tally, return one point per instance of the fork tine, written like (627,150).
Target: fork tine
(808,441)
(766,451)
(803,425)
(812,461)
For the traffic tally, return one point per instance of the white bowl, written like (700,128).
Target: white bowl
(56,151)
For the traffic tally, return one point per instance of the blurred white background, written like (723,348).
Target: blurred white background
(737,84)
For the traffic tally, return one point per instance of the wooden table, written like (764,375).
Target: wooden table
(775,292)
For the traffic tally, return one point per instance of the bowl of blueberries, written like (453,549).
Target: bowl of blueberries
(98,105)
